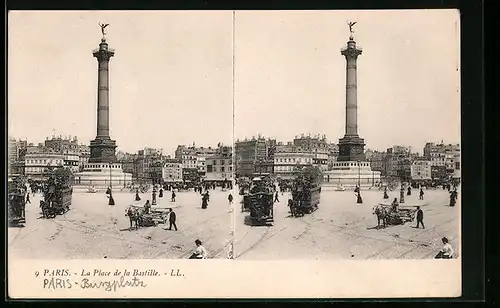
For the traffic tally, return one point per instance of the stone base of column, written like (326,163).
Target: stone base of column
(351,148)
(102,151)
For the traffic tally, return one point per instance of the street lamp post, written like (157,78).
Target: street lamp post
(359,174)
(111,200)
(359,199)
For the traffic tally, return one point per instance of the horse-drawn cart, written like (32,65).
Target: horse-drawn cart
(390,215)
(154,217)
(402,215)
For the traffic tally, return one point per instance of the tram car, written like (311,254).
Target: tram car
(306,191)
(260,203)
(57,192)
(16,200)
(305,200)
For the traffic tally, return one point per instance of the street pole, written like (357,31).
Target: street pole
(359,199)
(359,174)
(111,200)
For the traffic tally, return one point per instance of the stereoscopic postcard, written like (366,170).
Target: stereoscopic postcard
(234,154)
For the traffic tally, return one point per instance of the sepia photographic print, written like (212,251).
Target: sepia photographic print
(299,145)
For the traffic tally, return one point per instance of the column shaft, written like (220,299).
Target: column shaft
(103,99)
(351,123)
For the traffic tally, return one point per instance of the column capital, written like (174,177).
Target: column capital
(351,53)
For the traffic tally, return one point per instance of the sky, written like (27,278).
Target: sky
(290,76)
(171,80)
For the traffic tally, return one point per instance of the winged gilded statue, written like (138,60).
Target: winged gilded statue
(103,26)
(351,24)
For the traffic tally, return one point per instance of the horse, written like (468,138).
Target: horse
(134,216)
(381,213)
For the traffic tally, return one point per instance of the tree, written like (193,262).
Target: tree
(308,176)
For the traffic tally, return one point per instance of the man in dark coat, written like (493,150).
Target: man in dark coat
(420,217)
(204,202)
(172,218)
(173,196)
(421,194)
(453,197)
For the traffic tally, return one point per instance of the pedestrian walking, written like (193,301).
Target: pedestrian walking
(386,196)
(204,202)
(230,199)
(28,198)
(171,219)
(421,197)
(137,198)
(402,195)
(453,198)
(173,196)
(160,195)
(358,198)
(276,197)
(408,193)
(447,251)
(292,208)
(420,217)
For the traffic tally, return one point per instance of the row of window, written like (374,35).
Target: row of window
(293,160)
(102,166)
(38,170)
(222,162)
(221,169)
(284,168)
(351,164)
(44,161)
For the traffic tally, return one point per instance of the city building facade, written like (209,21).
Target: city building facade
(219,168)
(249,153)
(421,169)
(38,159)
(442,157)
(172,171)
(287,163)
